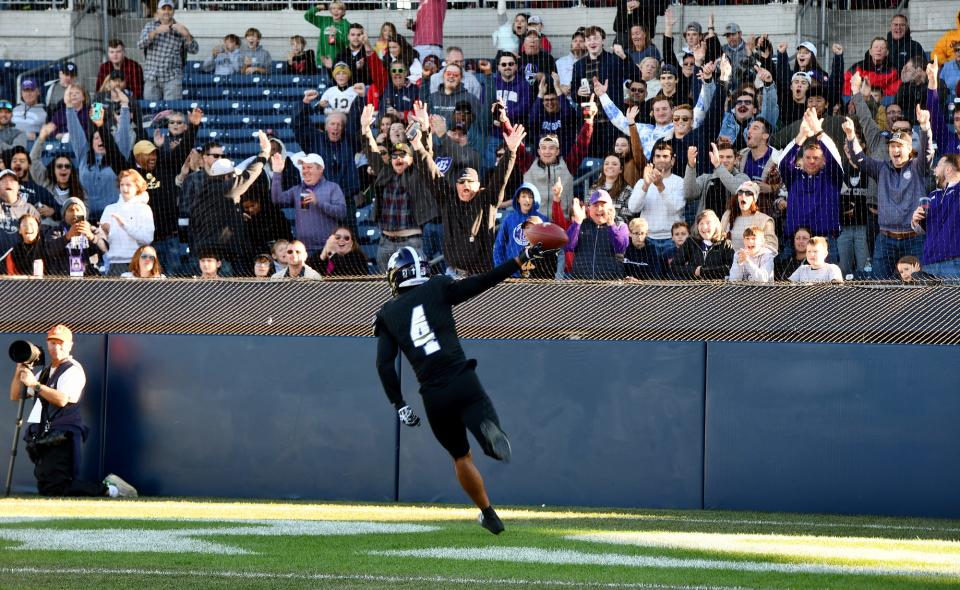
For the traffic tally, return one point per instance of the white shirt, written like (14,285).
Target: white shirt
(339,100)
(565,68)
(71,382)
(661,210)
(825,274)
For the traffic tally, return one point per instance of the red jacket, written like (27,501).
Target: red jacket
(132,73)
(882,75)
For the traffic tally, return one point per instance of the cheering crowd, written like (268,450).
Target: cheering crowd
(717,155)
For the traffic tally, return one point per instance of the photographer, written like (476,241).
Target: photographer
(56,432)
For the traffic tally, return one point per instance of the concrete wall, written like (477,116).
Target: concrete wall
(720,425)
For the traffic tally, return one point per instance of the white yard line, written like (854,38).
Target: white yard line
(249,575)
(566,557)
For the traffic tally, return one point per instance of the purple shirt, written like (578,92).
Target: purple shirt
(320,218)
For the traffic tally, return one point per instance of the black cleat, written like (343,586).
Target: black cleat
(497,441)
(490,521)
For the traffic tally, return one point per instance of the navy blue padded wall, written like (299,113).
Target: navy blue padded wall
(89,350)
(591,423)
(249,417)
(832,428)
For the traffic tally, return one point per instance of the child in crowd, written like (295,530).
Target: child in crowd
(753,262)
(263,266)
(301,60)
(911,272)
(679,232)
(817,270)
(279,253)
(209,264)
(640,261)
(225,59)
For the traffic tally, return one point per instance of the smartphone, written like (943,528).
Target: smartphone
(584,85)
(413,131)
(80,218)
(96,113)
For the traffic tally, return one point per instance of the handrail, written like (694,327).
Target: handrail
(63,59)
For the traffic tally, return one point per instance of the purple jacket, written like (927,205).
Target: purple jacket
(317,222)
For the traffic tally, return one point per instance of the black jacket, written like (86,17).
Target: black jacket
(714,260)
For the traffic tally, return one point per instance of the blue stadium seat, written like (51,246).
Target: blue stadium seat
(154,106)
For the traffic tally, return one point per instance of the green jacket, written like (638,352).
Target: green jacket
(325,49)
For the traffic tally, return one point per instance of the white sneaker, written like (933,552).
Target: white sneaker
(124,490)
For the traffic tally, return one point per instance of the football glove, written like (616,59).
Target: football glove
(531,252)
(408,416)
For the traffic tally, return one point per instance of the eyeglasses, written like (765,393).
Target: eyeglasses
(398,71)
(689,64)
(145,256)
(746,102)
(176,122)
(397,156)
(679,119)
(5,104)
(343,238)
(66,166)
(303,252)
(637,89)
(215,156)
(507,64)
(748,193)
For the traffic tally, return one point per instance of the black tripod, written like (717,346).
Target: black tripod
(16,442)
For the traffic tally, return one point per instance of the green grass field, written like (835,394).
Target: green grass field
(170,543)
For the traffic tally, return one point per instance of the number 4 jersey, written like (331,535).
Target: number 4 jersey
(421,322)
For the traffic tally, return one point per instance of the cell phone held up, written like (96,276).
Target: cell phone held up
(96,112)
(413,131)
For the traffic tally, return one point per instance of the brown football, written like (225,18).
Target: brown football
(550,235)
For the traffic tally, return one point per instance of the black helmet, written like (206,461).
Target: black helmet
(407,268)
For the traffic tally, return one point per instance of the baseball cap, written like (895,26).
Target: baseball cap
(600,196)
(463,106)
(143,147)
(61,333)
(401,148)
(469,174)
(5,104)
(534,20)
(751,187)
(8,172)
(221,167)
(310,159)
(263,256)
(340,65)
(731,29)
(694,26)
(801,76)
(163,3)
(809,47)
(28,84)
(459,127)
(668,69)
(69,68)
(550,138)
(903,138)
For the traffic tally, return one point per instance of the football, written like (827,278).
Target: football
(552,236)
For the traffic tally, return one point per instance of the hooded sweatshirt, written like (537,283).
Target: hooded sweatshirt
(136,231)
(510,239)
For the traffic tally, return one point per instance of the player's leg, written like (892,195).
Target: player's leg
(444,415)
(481,419)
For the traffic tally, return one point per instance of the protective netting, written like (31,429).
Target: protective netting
(874,313)
(310,105)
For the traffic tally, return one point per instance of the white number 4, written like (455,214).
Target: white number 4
(421,333)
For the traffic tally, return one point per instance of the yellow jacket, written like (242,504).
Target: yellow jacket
(943,50)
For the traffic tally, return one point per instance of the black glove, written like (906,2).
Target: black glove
(408,417)
(532,252)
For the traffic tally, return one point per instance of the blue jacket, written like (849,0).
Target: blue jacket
(943,216)
(769,111)
(510,240)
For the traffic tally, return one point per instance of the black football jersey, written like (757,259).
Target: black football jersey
(421,323)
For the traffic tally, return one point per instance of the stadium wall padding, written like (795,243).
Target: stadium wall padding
(866,429)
